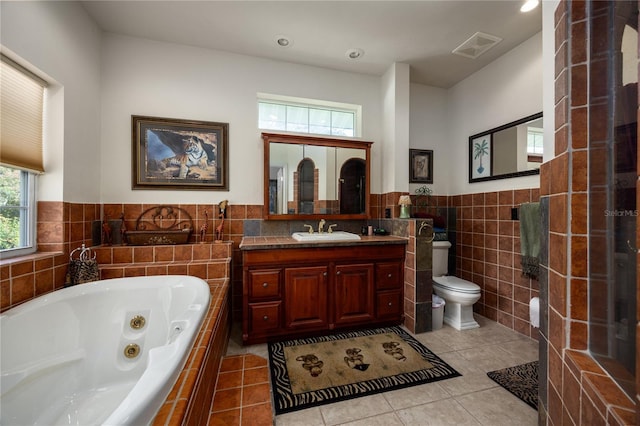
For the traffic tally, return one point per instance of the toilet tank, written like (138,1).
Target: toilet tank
(440,258)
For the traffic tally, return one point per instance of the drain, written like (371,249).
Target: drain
(132,350)
(137,322)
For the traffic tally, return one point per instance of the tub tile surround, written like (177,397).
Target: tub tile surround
(61,227)
(189,399)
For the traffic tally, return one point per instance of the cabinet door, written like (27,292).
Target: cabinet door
(306,297)
(354,293)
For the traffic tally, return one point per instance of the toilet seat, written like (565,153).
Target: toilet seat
(452,283)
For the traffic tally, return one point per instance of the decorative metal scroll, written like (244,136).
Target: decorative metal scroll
(162,224)
(164,218)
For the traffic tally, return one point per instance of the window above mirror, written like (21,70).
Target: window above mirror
(313,116)
(315,177)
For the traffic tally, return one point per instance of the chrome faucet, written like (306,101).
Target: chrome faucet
(321,226)
(310,228)
(330,229)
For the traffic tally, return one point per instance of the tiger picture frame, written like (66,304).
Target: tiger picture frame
(172,154)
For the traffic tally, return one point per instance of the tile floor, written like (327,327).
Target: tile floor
(472,399)
(243,393)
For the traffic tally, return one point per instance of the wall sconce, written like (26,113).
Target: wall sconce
(405,206)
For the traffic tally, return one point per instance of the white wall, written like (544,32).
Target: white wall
(63,44)
(428,130)
(548,76)
(103,79)
(506,90)
(143,77)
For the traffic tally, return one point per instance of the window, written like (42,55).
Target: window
(21,109)
(307,116)
(17,199)
(534,141)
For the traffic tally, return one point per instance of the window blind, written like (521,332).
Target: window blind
(21,106)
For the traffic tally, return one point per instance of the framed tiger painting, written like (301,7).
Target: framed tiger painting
(179,154)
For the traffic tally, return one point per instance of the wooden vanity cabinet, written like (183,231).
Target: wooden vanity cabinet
(295,292)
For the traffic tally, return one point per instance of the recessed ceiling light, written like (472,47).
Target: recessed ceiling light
(355,53)
(529,5)
(284,41)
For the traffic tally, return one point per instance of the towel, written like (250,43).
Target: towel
(530,238)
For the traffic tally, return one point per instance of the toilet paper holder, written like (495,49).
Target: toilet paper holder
(534,312)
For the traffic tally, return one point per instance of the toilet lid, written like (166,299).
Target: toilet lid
(456,284)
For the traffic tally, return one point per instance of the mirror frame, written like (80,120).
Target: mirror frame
(295,139)
(491,132)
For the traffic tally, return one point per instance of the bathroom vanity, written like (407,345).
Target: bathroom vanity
(295,289)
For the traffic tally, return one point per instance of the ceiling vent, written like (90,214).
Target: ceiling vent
(476,45)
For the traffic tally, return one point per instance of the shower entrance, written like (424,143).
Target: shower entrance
(613,102)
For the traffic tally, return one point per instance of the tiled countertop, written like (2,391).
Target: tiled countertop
(271,242)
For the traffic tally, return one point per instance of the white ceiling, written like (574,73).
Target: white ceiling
(419,33)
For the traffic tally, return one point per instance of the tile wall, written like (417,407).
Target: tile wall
(60,226)
(574,389)
(63,227)
(488,254)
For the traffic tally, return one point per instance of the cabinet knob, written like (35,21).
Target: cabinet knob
(338,273)
(389,276)
(390,304)
(265,285)
(325,274)
(266,318)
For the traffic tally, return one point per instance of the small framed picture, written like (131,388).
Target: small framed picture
(481,157)
(420,166)
(179,154)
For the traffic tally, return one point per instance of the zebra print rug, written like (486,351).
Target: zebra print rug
(521,380)
(322,370)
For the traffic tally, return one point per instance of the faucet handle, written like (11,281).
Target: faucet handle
(310,228)
(330,230)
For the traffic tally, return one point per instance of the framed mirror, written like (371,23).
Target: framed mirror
(511,150)
(308,177)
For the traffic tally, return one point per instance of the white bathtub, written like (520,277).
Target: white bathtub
(63,354)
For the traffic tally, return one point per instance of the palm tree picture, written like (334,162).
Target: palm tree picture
(480,149)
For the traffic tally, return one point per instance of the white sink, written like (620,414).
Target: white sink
(325,236)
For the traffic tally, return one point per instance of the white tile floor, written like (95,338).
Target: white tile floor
(472,399)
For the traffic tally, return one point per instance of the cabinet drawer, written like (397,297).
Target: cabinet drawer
(389,275)
(264,283)
(264,316)
(389,304)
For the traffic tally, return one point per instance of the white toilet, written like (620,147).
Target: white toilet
(459,294)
